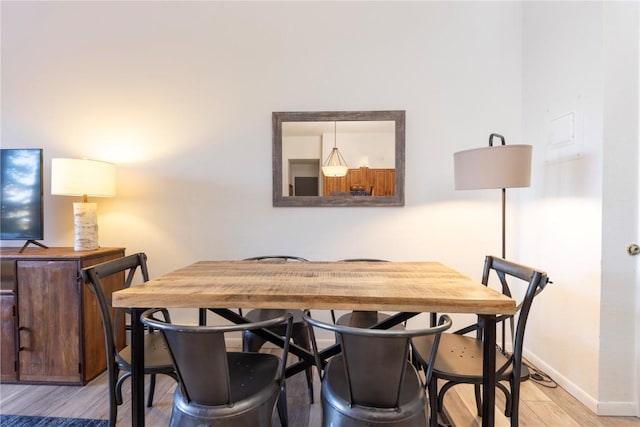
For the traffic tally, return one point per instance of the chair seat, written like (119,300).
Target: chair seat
(156,355)
(460,358)
(335,393)
(249,372)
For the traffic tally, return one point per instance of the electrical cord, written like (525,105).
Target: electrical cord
(538,376)
(535,374)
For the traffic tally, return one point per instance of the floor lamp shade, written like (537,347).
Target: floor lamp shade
(81,177)
(501,166)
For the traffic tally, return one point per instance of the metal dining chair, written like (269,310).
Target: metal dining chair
(371,382)
(101,279)
(300,332)
(217,387)
(460,357)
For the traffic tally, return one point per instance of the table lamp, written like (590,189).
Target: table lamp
(501,166)
(82,177)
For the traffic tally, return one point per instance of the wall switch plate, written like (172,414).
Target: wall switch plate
(562,143)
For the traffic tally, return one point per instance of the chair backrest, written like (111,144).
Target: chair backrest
(95,278)
(375,360)
(200,359)
(533,281)
(275,258)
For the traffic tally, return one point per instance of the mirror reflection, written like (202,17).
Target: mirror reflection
(339,158)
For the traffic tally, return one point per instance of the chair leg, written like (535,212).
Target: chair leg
(433,402)
(478,393)
(515,402)
(414,360)
(113,414)
(309,374)
(508,406)
(301,337)
(251,342)
(113,402)
(118,387)
(152,388)
(282,407)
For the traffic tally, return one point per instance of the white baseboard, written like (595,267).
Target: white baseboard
(618,409)
(615,409)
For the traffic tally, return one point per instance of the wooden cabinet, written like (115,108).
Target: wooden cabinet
(51,327)
(8,344)
(369,182)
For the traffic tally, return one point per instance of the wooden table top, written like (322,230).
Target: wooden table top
(393,286)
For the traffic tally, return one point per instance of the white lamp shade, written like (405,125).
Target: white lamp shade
(334,171)
(500,166)
(78,177)
(335,165)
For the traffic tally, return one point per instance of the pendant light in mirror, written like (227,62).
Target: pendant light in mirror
(335,165)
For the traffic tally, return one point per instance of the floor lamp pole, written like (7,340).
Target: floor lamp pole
(500,166)
(504,210)
(504,203)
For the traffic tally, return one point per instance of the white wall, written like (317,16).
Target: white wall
(581,58)
(180,95)
(620,288)
(563,74)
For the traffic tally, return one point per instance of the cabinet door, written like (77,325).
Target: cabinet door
(48,321)
(7,337)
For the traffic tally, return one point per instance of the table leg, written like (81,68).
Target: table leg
(137,368)
(308,359)
(489,372)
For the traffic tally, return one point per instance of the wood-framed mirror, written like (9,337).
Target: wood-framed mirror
(371,142)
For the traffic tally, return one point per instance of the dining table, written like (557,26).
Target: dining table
(405,288)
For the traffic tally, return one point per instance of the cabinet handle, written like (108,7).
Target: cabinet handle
(21,329)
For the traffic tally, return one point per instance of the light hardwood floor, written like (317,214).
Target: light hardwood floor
(540,406)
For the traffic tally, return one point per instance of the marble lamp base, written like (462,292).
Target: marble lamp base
(85,226)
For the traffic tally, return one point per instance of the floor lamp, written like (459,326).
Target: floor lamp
(500,166)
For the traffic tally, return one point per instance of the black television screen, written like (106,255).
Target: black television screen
(21,196)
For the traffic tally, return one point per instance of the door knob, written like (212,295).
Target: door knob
(633,249)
